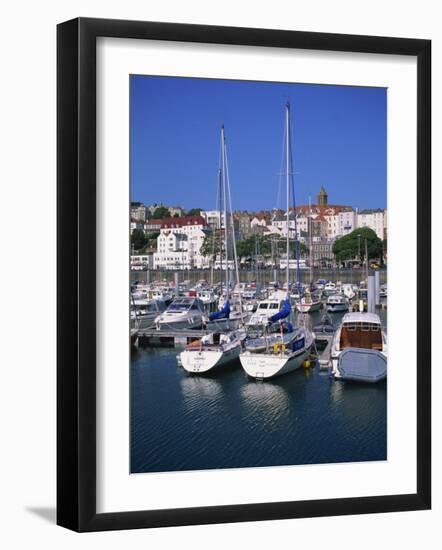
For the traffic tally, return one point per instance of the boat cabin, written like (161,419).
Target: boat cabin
(361,330)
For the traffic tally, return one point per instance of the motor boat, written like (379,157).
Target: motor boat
(329,288)
(267,309)
(144,293)
(359,349)
(145,312)
(348,291)
(208,297)
(182,313)
(324,327)
(309,303)
(337,303)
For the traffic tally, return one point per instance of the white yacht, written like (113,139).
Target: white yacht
(329,288)
(359,349)
(207,296)
(267,309)
(337,303)
(144,312)
(145,292)
(309,303)
(183,313)
(212,351)
(348,291)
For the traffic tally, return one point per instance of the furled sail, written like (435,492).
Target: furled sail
(283,312)
(224,313)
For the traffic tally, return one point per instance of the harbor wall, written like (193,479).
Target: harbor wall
(352,276)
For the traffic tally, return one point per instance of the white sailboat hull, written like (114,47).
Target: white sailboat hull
(268,365)
(201,361)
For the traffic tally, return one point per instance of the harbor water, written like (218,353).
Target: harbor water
(224,419)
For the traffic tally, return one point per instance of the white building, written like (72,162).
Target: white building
(215,219)
(258,221)
(280,223)
(179,244)
(333,229)
(374,219)
(138,212)
(347,222)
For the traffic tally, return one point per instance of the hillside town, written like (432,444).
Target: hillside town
(168,237)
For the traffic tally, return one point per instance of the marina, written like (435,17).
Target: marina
(226,419)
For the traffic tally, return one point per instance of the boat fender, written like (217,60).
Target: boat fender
(278,347)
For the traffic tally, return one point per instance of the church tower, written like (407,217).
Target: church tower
(322,197)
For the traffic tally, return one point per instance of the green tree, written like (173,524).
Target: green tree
(194,212)
(350,246)
(262,244)
(211,245)
(138,239)
(151,240)
(161,212)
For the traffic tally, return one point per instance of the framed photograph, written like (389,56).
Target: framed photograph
(243,262)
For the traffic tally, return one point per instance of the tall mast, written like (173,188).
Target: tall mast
(218,225)
(287,129)
(223,164)
(232,228)
(298,273)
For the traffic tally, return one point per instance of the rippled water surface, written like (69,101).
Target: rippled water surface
(227,420)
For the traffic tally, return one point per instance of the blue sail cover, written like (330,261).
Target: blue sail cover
(283,312)
(222,314)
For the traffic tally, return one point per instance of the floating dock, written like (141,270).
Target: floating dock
(149,337)
(324,349)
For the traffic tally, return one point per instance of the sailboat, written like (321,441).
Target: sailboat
(284,351)
(218,347)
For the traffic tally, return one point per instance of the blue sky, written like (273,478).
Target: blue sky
(339,141)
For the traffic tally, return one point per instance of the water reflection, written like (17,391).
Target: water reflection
(266,401)
(200,391)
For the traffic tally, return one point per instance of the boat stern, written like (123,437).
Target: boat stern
(199,361)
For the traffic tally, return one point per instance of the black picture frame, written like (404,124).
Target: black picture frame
(76,274)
